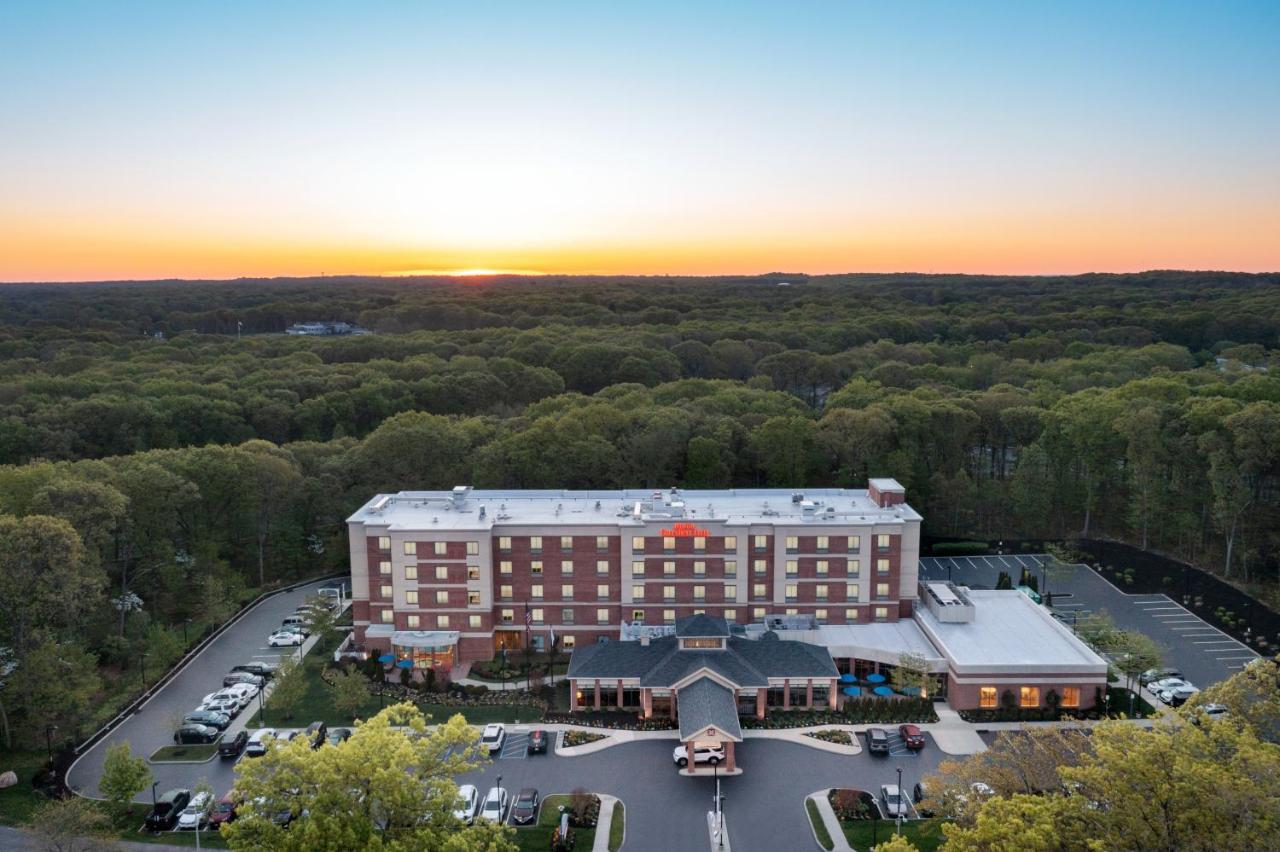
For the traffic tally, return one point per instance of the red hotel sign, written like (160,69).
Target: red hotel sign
(686,531)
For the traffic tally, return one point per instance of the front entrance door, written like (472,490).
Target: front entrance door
(509,639)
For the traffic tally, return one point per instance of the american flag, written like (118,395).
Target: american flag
(528,618)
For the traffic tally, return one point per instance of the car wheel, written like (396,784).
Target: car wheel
(714,761)
(682,762)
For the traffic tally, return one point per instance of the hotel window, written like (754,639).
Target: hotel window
(504,567)
(411,572)
(854,568)
(442,548)
(791,611)
(731,615)
(760,566)
(637,569)
(410,548)
(757,612)
(637,543)
(855,542)
(473,572)
(793,591)
(730,592)
(637,593)
(473,548)
(793,544)
(987,697)
(637,615)
(851,591)
(568,643)
(602,543)
(821,568)
(881,613)
(412,622)
(566,591)
(821,615)
(699,593)
(824,543)
(535,544)
(702,612)
(602,592)
(602,566)
(882,590)
(386,590)
(602,616)
(387,616)
(442,572)
(474,621)
(411,597)
(668,593)
(566,616)
(699,544)
(758,590)
(384,542)
(535,590)
(442,621)
(669,616)
(504,543)
(442,597)
(760,543)
(793,568)
(730,568)
(566,566)
(731,542)
(882,542)
(1029,697)
(699,568)
(508,616)
(566,542)
(820,592)
(535,615)
(384,567)
(535,567)
(669,543)
(851,615)
(882,566)
(504,592)
(1070,696)
(668,569)
(473,599)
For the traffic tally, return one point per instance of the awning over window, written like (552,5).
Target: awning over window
(413,638)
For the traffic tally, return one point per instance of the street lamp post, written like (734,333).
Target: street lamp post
(154,784)
(185,641)
(142,662)
(901,803)
(262,705)
(48,741)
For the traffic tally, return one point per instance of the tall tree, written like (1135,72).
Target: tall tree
(42,567)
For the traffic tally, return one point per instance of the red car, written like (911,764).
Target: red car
(912,737)
(224,811)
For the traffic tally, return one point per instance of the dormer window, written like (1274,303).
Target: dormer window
(702,643)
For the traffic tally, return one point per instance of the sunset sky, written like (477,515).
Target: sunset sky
(212,140)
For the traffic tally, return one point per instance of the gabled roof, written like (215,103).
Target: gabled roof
(702,625)
(706,704)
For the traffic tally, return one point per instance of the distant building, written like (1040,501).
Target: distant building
(321,329)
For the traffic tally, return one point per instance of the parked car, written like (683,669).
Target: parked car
(195,734)
(296,623)
(912,736)
(1152,675)
(316,733)
(877,741)
(242,692)
(257,745)
(495,804)
(493,737)
(207,718)
(919,793)
(164,813)
(892,802)
(338,735)
(468,803)
(241,677)
(196,813)
(1177,696)
(538,742)
(231,746)
(285,639)
(267,670)
(1212,712)
(1161,685)
(701,754)
(226,705)
(223,811)
(524,811)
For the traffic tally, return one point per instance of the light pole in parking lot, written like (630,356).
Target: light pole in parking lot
(142,662)
(901,803)
(48,741)
(185,643)
(154,784)
(262,705)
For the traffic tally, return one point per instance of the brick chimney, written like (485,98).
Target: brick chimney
(886,492)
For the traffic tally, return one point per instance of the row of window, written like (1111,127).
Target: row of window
(759,591)
(537,615)
(566,543)
(759,543)
(760,566)
(1028,696)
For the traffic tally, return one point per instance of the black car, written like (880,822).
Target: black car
(339,735)
(165,812)
(316,733)
(232,746)
(877,741)
(525,809)
(243,677)
(208,718)
(538,742)
(195,734)
(263,670)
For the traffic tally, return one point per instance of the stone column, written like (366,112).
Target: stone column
(573,696)
(833,694)
(786,694)
(761,696)
(728,755)
(673,704)
(808,694)
(597,694)
(619,693)
(688,753)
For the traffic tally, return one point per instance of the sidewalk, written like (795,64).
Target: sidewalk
(829,821)
(604,823)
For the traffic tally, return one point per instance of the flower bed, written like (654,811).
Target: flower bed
(578,738)
(614,721)
(857,711)
(829,735)
(852,804)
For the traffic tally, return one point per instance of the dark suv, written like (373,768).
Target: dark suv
(195,734)
(166,809)
(265,670)
(537,742)
(317,732)
(877,741)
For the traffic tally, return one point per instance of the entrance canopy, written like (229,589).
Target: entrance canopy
(708,711)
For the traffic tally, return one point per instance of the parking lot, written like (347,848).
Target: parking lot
(1204,653)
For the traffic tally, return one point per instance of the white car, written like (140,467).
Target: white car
(196,813)
(494,808)
(258,742)
(701,754)
(237,698)
(493,737)
(285,638)
(892,801)
(468,803)
(1168,683)
(1177,695)
(1212,712)
(221,704)
(242,692)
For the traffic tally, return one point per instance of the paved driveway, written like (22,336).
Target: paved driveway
(1204,653)
(153,725)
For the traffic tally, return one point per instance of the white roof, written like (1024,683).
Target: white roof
(885,484)
(1009,633)
(460,509)
(881,641)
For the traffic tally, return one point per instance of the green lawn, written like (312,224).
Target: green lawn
(184,753)
(926,834)
(537,838)
(819,827)
(617,828)
(19,801)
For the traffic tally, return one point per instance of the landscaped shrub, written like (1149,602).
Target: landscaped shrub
(960,548)
(852,804)
(584,808)
(565,843)
(577,738)
(830,735)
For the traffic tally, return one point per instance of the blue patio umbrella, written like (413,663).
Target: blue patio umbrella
(404,664)
(852,690)
(875,678)
(882,690)
(848,678)
(386,658)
